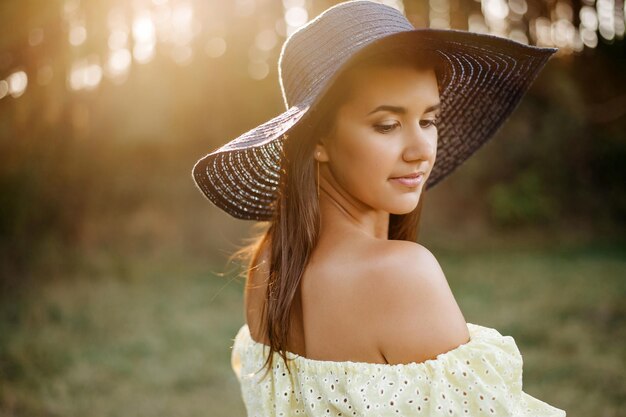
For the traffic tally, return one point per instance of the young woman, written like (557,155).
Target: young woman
(345,311)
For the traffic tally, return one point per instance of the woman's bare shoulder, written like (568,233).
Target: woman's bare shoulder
(415,315)
(397,255)
(364,260)
(389,298)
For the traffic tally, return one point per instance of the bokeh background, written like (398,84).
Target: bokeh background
(116,297)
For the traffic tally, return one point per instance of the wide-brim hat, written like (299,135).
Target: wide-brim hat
(481,83)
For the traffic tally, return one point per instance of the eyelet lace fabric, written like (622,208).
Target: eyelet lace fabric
(482,377)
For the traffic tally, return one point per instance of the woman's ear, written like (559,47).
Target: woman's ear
(320,152)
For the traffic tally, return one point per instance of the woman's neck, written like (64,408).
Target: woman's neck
(339,216)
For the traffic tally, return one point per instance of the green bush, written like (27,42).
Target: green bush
(522,201)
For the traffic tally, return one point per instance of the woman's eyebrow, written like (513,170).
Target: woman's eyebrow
(386,107)
(402,110)
(434,107)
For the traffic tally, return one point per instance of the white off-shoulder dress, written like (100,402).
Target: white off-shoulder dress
(482,377)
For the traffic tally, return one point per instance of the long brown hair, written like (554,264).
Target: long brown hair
(293,232)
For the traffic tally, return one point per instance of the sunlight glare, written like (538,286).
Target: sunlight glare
(35,37)
(118,63)
(93,76)
(161,17)
(118,39)
(518,35)
(86,73)
(17,83)
(78,35)
(116,19)
(129,32)
(588,18)
(476,23)
(439,15)
(143,52)
(266,40)
(606,19)
(183,25)
(144,35)
(143,29)
(563,33)
(281,27)
(564,11)
(518,7)
(182,15)
(70,7)
(494,9)
(294,3)
(542,30)
(589,37)
(215,47)
(4,88)
(296,16)
(244,8)
(258,70)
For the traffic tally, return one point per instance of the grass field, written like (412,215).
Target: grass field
(155,340)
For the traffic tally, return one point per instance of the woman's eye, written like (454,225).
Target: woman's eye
(386,128)
(429,122)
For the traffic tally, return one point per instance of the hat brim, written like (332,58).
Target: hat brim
(242,176)
(484,80)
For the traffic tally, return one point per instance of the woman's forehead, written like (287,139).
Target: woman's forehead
(393,85)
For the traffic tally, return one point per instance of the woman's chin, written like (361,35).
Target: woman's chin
(405,206)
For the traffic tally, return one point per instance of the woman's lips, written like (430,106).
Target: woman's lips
(413,180)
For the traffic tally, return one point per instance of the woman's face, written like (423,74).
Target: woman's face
(383,135)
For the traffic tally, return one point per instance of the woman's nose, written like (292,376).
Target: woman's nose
(421,144)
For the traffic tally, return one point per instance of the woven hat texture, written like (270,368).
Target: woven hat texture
(484,79)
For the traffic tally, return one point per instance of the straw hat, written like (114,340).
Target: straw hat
(483,81)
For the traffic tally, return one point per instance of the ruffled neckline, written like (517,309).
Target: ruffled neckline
(478,335)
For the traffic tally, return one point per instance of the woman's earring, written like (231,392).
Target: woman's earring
(318,180)
(317,154)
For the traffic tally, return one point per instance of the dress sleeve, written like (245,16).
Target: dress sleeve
(482,377)
(235,361)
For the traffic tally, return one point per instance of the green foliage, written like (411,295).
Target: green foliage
(553,164)
(522,201)
(154,344)
(607,173)
(44,194)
